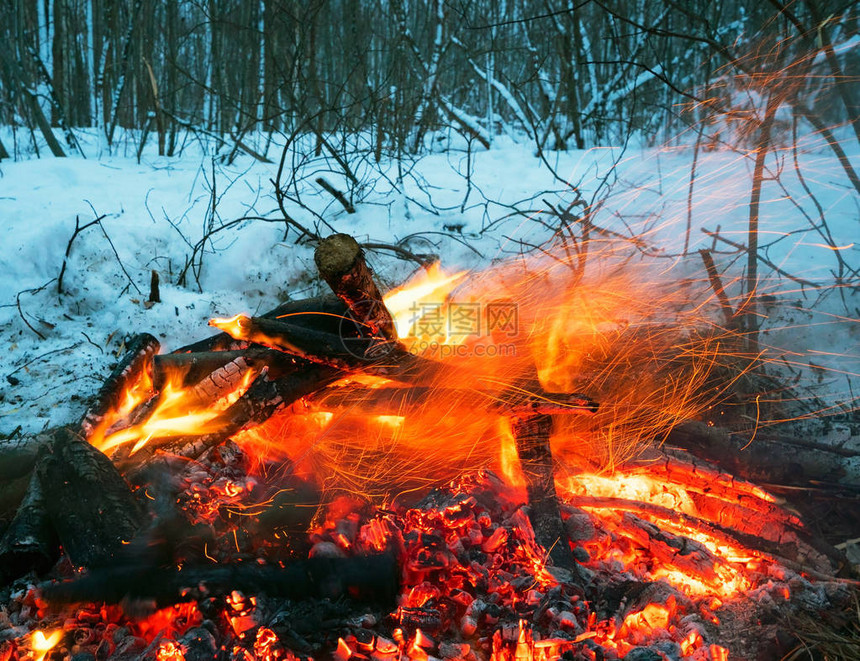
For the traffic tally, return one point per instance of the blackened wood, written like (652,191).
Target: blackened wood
(263,399)
(344,353)
(776,461)
(30,542)
(90,505)
(138,358)
(187,369)
(319,313)
(403,400)
(531,435)
(371,578)
(341,264)
(154,292)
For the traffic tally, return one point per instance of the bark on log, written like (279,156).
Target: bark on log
(90,505)
(187,369)
(366,578)
(138,357)
(531,434)
(341,264)
(343,353)
(323,313)
(30,542)
(780,461)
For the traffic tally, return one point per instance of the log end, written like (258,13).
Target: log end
(336,255)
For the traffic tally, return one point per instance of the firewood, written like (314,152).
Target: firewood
(138,357)
(320,313)
(341,264)
(349,354)
(791,550)
(402,400)
(187,369)
(371,578)
(263,398)
(531,434)
(800,463)
(30,542)
(90,505)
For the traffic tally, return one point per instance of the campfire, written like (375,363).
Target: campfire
(452,471)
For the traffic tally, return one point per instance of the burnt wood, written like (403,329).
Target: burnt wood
(531,435)
(349,354)
(372,578)
(318,313)
(341,263)
(30,542)
(187,369)
(89,504)
(138,358)
(263,398)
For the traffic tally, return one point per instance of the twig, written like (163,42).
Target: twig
(717,284)
(78,229)
(742,248)
(336,194)
(35,290)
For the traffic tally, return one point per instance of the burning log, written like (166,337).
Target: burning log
(372,578)
(320,313)
(341,264)
(257,404)
(138,357)
(187,369)
(800,463)
(790,550)
(30,542)
(90,506)
(531,434)
(341,353)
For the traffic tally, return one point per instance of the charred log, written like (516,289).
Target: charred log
(90,505)
(30,542)
(349,354)
(341,264)
(187,369)
(137,359)
(531,434)
(263,398)
(366,578)
(800,463)
(320,313)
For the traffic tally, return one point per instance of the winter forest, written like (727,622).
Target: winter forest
(634,222)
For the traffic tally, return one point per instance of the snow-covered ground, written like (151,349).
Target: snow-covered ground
(58,346)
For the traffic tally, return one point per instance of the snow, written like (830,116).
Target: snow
(155,211)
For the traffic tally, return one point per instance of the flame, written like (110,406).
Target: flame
(41,643)
(235,326)
(178,412)
(424,295)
